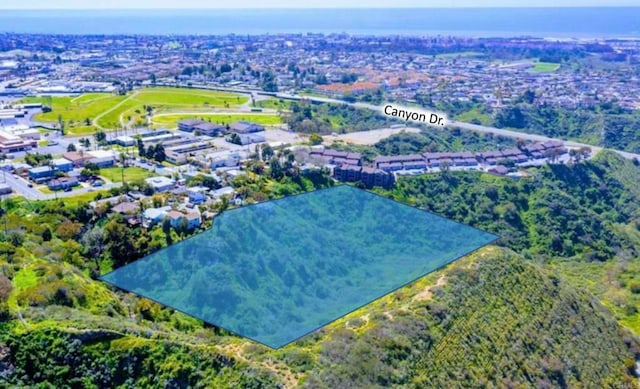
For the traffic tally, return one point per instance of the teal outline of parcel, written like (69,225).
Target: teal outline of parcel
(416,115)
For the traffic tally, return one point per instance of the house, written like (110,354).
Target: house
(244,127)
(160,183)
(192,219)
(152,216)
(126,207)
(224,191)
(197,194)
(62,183)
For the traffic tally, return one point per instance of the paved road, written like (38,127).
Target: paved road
(21,187)
(462,125)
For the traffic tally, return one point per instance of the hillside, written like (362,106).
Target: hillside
(490,318)
(582,220)
(528,312)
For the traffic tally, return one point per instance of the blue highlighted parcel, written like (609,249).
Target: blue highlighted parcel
(276,271)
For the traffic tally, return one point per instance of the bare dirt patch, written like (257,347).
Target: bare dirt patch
(426,293)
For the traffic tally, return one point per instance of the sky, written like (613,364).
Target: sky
(181,4)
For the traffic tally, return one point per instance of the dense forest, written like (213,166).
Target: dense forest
(553,304)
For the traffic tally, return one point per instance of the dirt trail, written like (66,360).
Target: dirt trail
(426,293)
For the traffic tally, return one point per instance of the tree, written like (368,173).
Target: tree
(140,144)
(92,167)
(275,168)
(315,139)
(151,152)
(100,137)
(159,153)
(120,246)
(267,152)
(71,148)
(61,124)
(235,139)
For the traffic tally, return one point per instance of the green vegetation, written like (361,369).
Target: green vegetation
(79,114)
(131,173)
(495,320)
(564,216)
(545,67)
(274,104)
(475,116)
(327,118)
(608,125)
(527,314)
(429,140)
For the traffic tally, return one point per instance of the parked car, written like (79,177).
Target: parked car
(97,183)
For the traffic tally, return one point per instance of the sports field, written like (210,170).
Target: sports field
(86,113)
(545,67)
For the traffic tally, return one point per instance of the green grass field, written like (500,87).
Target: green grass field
(131,173)
(171,121)
(545,67)
(468,116)
(111,111)
(273,104)
(76,110)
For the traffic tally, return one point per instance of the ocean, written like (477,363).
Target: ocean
(606,22)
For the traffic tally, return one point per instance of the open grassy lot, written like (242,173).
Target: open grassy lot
(86,113)
(545,67)
(86,197)
(273,104)
(131,173)
(171,121)
(76,111)
(189,97)
(468,116)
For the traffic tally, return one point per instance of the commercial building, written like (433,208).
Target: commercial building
(62,183)
(41,173)
(62,164)
(244,127)
(10,143)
